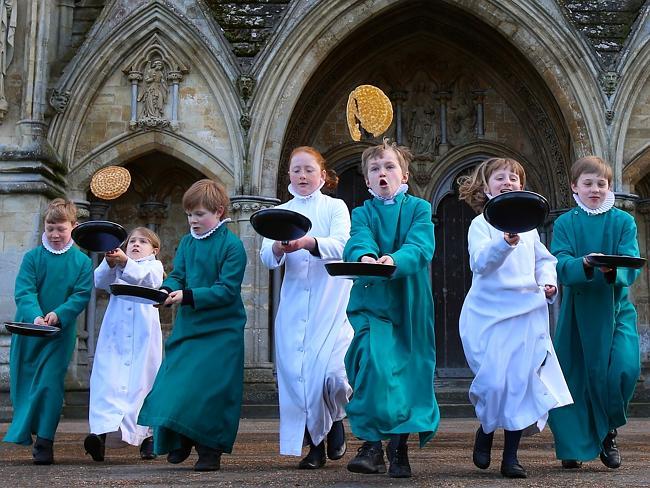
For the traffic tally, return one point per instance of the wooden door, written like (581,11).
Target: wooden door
(451,279)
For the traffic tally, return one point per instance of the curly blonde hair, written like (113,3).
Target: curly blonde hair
(471,187)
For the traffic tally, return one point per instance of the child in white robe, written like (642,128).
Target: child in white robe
(312,332)
(129,349)
(504,322)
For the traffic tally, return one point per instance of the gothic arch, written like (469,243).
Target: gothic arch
(134,145)
(567,68)
(97,60)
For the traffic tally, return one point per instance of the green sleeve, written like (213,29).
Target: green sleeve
(362,241)
(176,279)
(417,251)
(68,311)
(231,273)
(627,246)
(26,293)
(570,268)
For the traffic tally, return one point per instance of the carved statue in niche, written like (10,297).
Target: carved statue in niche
(461,114)
(421,116)
(154,95)
(7,33)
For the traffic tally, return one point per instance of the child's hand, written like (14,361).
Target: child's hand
(386,259)
(51,319)
(39,321)
(174,298)
(511,239)
(368,259)
(587,262)
(116,257)
(549,291)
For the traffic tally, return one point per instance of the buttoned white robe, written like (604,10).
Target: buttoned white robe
(504,328)
(128,354)
(312,333)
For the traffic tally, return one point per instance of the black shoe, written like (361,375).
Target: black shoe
(209,458)
(514,470)
(179,455)
(369,459)
(146,449)
(336,445)
(609,454)
(95,445)
(398,457)
(315,458)
(571,464)
(481,458)
(42,451)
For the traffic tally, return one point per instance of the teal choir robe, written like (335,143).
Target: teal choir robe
(391,360)
(46,282)
(198,390)
(596,338)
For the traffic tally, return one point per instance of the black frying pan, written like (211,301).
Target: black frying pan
(27,329)
(99,235)
(138,294)
(516,211)
(615,261)
(280,224)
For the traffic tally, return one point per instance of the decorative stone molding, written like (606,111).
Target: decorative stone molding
(151,70)
(8,16)
(248,204)
(245,86)
(59,100)
(626,201)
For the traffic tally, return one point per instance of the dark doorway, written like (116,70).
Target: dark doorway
(451,279)
(352,187)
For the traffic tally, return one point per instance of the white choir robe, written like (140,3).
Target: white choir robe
(504,328)
(128,354)
(312,333)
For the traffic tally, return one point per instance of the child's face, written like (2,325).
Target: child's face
(59,234)
(139,246)
(202,220)
(503,180)
(385,174)
(591,189)
(305,173)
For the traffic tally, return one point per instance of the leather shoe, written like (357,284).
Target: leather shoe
(514,470)
(369,459)
(95,446)
(146,449)
(179,455)
(481,458)
(399,460)
(336,445)
(571,464)
(209,458)
(42,451)
(609,454)
(315,458)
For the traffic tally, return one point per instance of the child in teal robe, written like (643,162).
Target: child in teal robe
(391,361)
(596,339)
(196,397)
(53,286)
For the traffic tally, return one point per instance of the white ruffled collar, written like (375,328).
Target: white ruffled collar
(403,188)
(210,232)
(146,258)
(48,246)
(604,207)
(313,194)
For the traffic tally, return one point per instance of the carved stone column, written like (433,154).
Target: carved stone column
(260,393)
(154,213)
(398,97)
(444,97)
(479,98)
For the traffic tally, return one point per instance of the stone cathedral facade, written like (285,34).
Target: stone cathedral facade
(178,90)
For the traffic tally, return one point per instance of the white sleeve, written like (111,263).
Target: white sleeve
(486,253)
(104,276)
(331,247)
(144,273)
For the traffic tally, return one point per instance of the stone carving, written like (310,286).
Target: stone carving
(609,82)
(155,73)
(461,114)
(59,100)
(153,97)
(8,12)
(246,85)
(421,126)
